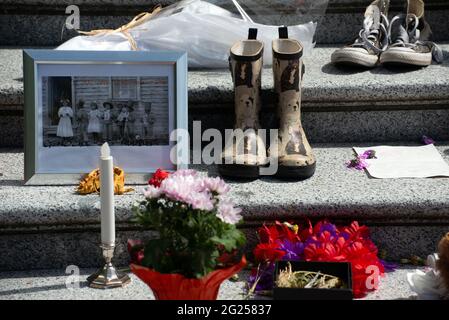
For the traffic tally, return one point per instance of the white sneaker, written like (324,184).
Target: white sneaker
(372,39)
(409,35)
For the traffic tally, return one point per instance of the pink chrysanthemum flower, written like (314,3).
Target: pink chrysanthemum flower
(201,201)
(215,185)
(228,213)
(182,188)
(152,192)
(201,193)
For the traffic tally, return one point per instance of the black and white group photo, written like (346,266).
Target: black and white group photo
(88,111)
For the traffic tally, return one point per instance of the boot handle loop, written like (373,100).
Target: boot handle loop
(283,32)
(252,34)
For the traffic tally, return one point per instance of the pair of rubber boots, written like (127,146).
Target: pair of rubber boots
(244,156)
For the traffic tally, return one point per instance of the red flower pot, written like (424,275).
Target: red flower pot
(178,287)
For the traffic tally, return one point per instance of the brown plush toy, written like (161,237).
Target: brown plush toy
(443,262)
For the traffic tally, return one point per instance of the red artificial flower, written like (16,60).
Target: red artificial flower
(305,233)
(317,227)
(288,231)
(366,267)
(267,234)
(366,272)
(326,252)
(355,231)
(157,178)
(278,231)
(268,252)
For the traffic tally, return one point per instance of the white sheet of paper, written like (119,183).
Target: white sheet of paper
(406,162)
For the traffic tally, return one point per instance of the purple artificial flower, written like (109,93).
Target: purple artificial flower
(427,140)
(351,163)
(263,276)
(344,235)
(329,227)
(369,154)
(359,163)
(389,266)
(293,250)
(362,164)
(312,240)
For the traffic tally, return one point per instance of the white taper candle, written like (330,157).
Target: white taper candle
(107,196)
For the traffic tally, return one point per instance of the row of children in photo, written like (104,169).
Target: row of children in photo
(113,122)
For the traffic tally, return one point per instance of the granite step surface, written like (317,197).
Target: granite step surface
(325,85)
(51,227)
(51,285)
(339,105)
(39,22)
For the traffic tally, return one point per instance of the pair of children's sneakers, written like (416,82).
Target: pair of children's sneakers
(403,40)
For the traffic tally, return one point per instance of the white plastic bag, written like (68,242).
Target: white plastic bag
(204,30)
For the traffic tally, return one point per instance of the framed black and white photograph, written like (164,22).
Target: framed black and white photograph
(78,100)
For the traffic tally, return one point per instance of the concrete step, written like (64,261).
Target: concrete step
(52,227)
(339,105)
(39,22)
(51,285)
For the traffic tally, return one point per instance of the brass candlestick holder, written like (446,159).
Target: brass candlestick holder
(108,276)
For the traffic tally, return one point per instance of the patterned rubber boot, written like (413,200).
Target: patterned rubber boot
(410,36)
(295,156)
(246,151)
(371,41)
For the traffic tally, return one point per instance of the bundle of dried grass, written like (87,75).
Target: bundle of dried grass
(308,279)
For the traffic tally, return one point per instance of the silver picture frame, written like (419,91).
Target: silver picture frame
(175,65)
